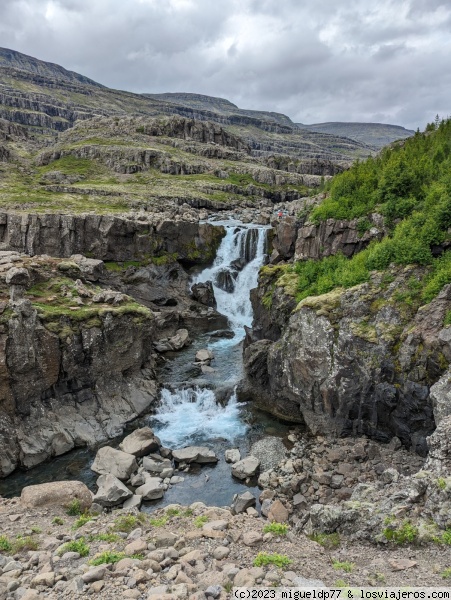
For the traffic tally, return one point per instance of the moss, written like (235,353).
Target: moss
(323,305)
(365,331)
(288,281)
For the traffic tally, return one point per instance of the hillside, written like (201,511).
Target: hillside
(375,135)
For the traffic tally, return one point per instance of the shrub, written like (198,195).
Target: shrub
(105,537)
(161,522)
(446,537)
(279,560)
(276,528)
(57,521)
(108,557)
(74,508)
(199,522)
(446,573)
(24,544)
(347,567)
(327,540)
(406,533)
(85,518)
(5,544)
(127,523)
(79,546)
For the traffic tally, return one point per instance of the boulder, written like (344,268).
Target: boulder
(247,467)
(111,491)
(278,513)
(204,356)
(156,464)
(140,442)
(204,293)
(151,490)
(132,502)
(252,538)
(114,462)
(56,493)
(18,276)
(195,454)
(233,455)
(91,268)
(241,502)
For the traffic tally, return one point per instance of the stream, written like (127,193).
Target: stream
(197,408)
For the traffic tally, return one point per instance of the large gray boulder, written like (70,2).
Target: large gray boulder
(196,454)
(111,491)
(241,502)
(114,462)
(247,467)
(151,490)
(140,442)
(156,463)
(56,493)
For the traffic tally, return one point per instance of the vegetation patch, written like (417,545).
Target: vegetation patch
(347,567)
(404,533)
(276,528)
(326,540)
(278,560)
(79,546)
(126,523)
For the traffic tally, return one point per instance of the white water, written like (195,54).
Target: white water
(188,416)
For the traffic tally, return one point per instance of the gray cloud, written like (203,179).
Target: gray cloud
(319,60)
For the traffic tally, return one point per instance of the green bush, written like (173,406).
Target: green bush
(79,546)
(107,557)
(276,528)
(74,508)
(279,560)
(347,567)
(5,544)
(405,533)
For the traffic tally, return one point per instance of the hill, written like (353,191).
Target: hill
(375,135)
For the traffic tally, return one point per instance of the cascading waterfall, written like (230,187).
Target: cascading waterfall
(192,415)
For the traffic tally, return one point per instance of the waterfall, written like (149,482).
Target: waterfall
(192,415)
(235,272)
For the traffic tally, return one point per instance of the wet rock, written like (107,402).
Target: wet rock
(241,502)
(204,293)
(151,490)
(111,491)
(204,356)
(195,454)
(57,493)
(114,462)
(140,442)
(232,456)
(247,467)
(175,343)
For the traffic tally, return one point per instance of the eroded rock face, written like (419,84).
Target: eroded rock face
(358,362)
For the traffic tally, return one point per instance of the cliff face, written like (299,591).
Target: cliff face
(107,237)
(360,361)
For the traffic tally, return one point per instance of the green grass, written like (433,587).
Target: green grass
(347,567)
(112,557)
(446,537)
(5,545)
(79,546)
(35,529)
(127,523)
(82,520)
(199,522)
(160,522)
(326,540)
(404,533)
(57,521)
(278,560)
(24,544)
(111,538)
(173,512)
(276,528)
(446,573)
(74,508)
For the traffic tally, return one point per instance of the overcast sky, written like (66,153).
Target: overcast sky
(314,60)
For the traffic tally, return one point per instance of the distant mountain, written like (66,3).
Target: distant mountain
(17,60)
(376,135)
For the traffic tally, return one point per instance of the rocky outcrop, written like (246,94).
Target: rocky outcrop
(108,237)
(359,361)
(332,236)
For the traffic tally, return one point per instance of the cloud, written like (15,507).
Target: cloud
(319,60)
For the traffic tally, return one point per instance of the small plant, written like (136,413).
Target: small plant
(79,546)
(85,518)
(108,557)
(161,522)
(173,512)
(347,567)
(127,523)
(276,528)
(36,529)
(446,537)
(188,512)
(199,522)
(279,560)
(406,533)
(74,508)
(228,586)
(441,483)
(326,540)
(341,583)
(5,544)
(446,574)
(105,537)
(23,544)
(57,521)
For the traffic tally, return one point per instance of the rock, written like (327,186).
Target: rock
(252,538)
(91,268)
(43,579)
(247,467)
(57,493)
(136,547)
(176,479)
(151,490)
(266,507)
(401,564)
(307,583)
(140,442)
(221,552)
(109,461)
(233,455)
(111,491)
(165,540)
(244,578)
(196,454)
(204,356)
(17,276)
(156,464)
(204,293)
(241,502)
(299,502)
(180,339)
(213,591)
(94,574)
(390,476)
(278,513)
(134,501)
